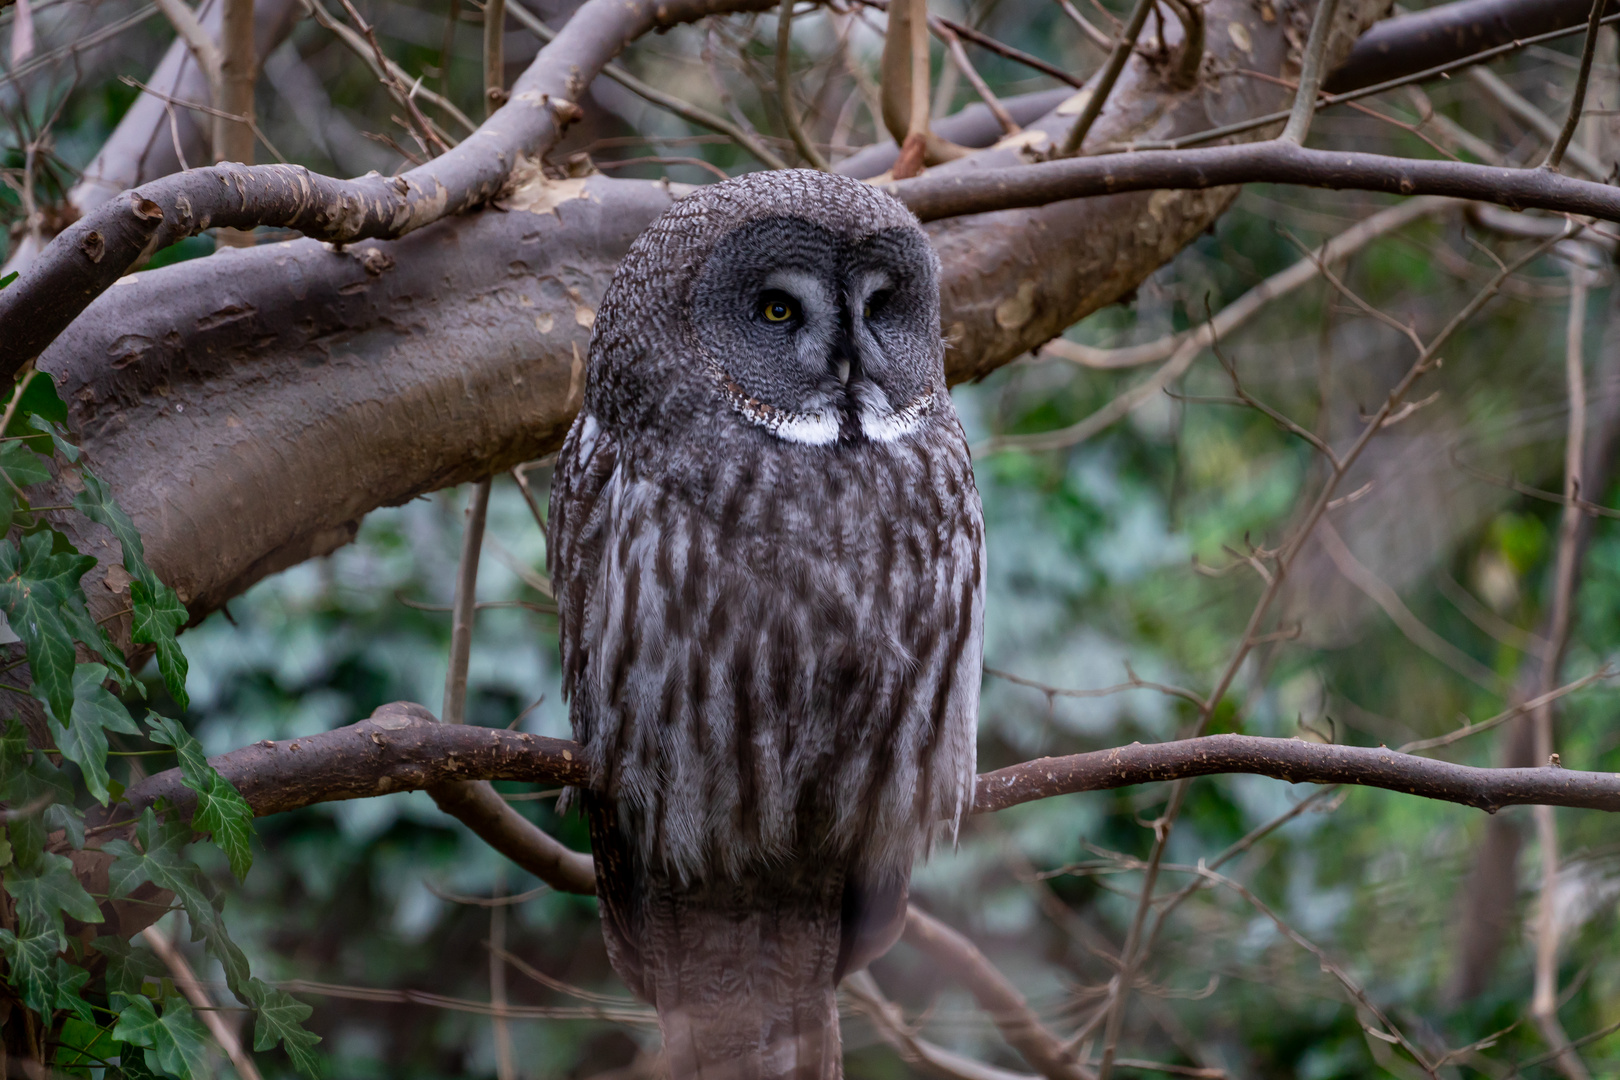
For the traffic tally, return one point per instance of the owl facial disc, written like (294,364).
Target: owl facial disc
(821,338)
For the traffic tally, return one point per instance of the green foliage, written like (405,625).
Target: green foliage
(81,1044)
(221,810)
(43,599)
(175,1042)
(158,613)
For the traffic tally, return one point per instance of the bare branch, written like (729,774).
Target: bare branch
(57,285)
(1298,762)
(186,979)
(1577,101)
(199,41)
(1544,996)
(1310,74)
(1104,84)
(472,543)
(1449,32)
(954,194)
(997,996)
(784,88)
(1525,112)
(685,110)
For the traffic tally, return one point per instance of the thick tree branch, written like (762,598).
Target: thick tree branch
(357,407)
(937,196)
(1447,32)
(401,747)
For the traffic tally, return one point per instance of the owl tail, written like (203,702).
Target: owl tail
(743,967)
(745,994)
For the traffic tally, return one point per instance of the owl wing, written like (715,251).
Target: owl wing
(580,531)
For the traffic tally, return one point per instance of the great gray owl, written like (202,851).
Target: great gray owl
(768,555)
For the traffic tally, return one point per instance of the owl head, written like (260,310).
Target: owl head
(804,304)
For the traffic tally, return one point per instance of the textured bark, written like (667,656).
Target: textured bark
(1277,162)
(401,747)
(1449,32)
(1297,762)
(251,407)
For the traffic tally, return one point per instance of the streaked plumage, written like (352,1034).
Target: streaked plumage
(768,558)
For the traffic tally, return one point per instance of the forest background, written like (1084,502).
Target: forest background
(1124,556)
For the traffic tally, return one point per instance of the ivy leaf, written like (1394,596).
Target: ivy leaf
(23,465)
(159,614)
(132,1066)
(221,811)
(33,585)
(46,980)
(31,968)
(87,630)
(9,278)
(83,740)
(70,980)
(82,1045)
(69,819)
(47,892)
(175,1042)
(128,966)
(39,398)
(63,447)
(281,1017)
(161,860)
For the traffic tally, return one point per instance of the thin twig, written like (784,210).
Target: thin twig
(997,996)
(505,1066)
(1088,116)
(1577,100)
(248,121)
(784,88)
(1310,74)
(472,540)
(1134,684)
(1526,113)
(1544,996)
(186,979)
(494,97)
(1240,311)
(959,57)
(1410,626)
(1087,28)
(685,110)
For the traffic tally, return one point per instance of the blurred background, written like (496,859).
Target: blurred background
(1123,553)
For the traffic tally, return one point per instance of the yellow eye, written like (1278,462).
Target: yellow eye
(777,310)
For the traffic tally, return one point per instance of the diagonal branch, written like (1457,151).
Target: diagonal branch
(75,268)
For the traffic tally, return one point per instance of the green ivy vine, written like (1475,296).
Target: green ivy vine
(130,1023)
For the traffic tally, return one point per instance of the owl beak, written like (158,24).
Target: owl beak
(843,372)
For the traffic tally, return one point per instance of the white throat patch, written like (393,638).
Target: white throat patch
(879,422)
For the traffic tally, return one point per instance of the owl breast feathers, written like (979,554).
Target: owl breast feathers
(767,550)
